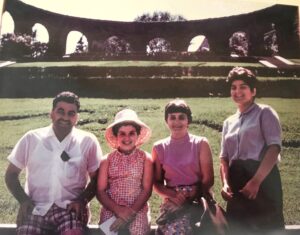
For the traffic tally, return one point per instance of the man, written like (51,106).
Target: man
(59,161)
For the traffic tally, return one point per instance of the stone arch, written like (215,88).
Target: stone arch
(75,39)
(8,24)
(40,33)
(199,43)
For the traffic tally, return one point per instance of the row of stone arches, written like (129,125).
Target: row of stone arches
(77,42)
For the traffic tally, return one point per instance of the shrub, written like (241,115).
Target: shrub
(18,46)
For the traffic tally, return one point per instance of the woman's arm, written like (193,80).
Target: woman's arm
(206,166)
(158,179)
(224,170)
(177,199)
(250,190)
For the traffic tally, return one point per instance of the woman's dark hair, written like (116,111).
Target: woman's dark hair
(68,97)
(240,73)
(115,128)
(178,106)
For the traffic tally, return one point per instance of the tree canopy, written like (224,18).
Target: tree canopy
(159,16)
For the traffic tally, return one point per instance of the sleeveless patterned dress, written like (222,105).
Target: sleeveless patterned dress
(125,175)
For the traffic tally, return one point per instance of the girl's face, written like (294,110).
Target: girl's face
(126,138)
(241,94)
(178,124)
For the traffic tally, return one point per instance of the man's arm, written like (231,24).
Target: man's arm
(90,191)
(13,184)
(79,205)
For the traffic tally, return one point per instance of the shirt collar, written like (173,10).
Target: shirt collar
(51,133)
(248,110)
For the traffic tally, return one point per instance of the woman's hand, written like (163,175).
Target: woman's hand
(226,193)
(179,199)
(250,190)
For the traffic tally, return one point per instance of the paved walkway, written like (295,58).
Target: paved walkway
(6,63)
(277,62)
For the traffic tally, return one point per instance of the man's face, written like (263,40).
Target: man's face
(64,116)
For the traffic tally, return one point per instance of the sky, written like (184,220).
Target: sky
(128,10)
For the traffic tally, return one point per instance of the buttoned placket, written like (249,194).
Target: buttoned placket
(58,148)
(241,120)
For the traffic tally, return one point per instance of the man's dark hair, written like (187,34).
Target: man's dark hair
(68,97)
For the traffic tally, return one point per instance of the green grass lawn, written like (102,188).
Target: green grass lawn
(20,115)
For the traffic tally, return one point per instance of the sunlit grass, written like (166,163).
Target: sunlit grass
(208,115)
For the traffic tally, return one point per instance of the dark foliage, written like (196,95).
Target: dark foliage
(159,16)
(16,46)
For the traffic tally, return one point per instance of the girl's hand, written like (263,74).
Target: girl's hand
(250,190)
(126,213)
(226,193)
(117,224)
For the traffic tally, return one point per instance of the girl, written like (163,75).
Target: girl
(125,175)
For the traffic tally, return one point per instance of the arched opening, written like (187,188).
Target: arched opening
(8,24)
(76,43)
(239,44)
(199,44)
(40,33)
(114,46)
(158,45)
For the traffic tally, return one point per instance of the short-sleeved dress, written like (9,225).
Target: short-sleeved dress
(181,165)
(125,175)
(245,139)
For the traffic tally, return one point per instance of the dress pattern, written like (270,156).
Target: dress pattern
(125,175)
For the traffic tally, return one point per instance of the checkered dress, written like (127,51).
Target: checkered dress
(125,175)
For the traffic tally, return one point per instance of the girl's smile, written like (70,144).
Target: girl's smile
(126,138)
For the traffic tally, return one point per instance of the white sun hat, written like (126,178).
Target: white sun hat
(128,116)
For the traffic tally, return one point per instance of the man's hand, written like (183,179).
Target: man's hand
(80,209)
(25,209)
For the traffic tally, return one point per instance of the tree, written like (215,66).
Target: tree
(81,47)
(115,46)
(239,44)
(158,45)
(18,46)
(159,16)
(270,41)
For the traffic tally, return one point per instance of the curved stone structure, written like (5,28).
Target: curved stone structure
(217,30)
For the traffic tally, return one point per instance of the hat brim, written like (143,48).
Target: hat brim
(143,137)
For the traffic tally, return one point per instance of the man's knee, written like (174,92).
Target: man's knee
(76,231)
(28,230)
